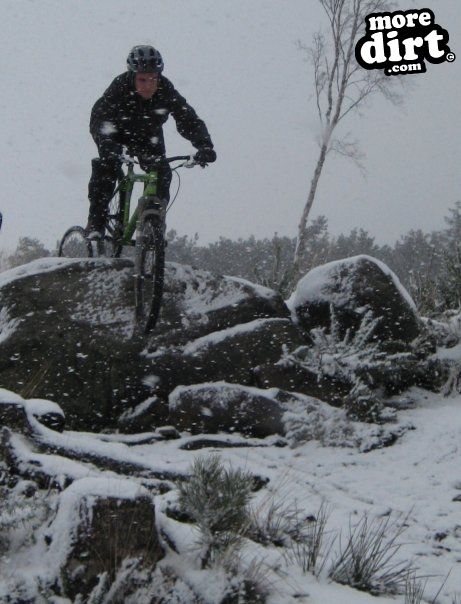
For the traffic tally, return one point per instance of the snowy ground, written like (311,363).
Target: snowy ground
(419,476)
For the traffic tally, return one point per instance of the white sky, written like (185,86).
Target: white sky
(238,65)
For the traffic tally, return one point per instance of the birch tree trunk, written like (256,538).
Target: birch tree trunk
(341,85)
(301,242)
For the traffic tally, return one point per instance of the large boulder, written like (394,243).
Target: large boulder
(65,335)
(230,354)
(355,288)
(219,406)
(100,523)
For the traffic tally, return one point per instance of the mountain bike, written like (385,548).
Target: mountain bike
(148,220)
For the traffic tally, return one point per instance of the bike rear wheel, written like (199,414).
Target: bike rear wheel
(74,244)
(149,273)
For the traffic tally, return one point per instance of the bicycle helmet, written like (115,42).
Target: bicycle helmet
(145,59)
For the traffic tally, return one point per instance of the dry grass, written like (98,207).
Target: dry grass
(366,560)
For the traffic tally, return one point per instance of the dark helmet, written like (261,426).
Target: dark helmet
(144,59)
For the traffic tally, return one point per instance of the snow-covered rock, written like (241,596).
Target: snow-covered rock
(355,288)
(220,406)
(231,354)
(197,303)
(99,524)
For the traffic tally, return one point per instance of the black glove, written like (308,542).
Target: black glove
(205,156)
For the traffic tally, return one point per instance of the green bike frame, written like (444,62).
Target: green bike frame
(125,188)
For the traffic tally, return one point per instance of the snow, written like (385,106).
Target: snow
(449,354)
(216,337)
(38,406)
(86,445)
(7,396)
(140,409)
(200,298)
(102,305)
(419,475)
(259,290)
(311,287)
(108,128)
(219,393)
(42,265)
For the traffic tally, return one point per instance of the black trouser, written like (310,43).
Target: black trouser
(104,172)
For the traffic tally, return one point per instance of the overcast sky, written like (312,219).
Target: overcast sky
(238,64)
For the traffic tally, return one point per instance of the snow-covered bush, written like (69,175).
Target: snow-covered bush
(369,369)
(134,584)
(445,328)
(331,355)
(20,514)
(217,499)
(284,525)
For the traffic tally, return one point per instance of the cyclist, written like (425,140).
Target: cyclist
(131,113)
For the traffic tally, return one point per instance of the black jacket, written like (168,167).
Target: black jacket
(128,119)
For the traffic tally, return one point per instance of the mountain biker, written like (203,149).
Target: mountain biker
(131,113)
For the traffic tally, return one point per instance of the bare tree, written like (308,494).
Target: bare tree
(341,86)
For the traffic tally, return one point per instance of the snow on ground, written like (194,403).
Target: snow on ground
(419,477)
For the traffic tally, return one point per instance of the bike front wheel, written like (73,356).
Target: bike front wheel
(149,273)
(74,244)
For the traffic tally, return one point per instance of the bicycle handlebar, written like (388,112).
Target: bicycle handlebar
(127,159)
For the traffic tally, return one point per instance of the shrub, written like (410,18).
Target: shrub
(18,511)
(308,550)
(276,523)
(217,499)
(365,562)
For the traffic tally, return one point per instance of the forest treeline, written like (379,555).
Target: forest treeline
(428,264)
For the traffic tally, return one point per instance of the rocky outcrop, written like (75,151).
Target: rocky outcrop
(67,334)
